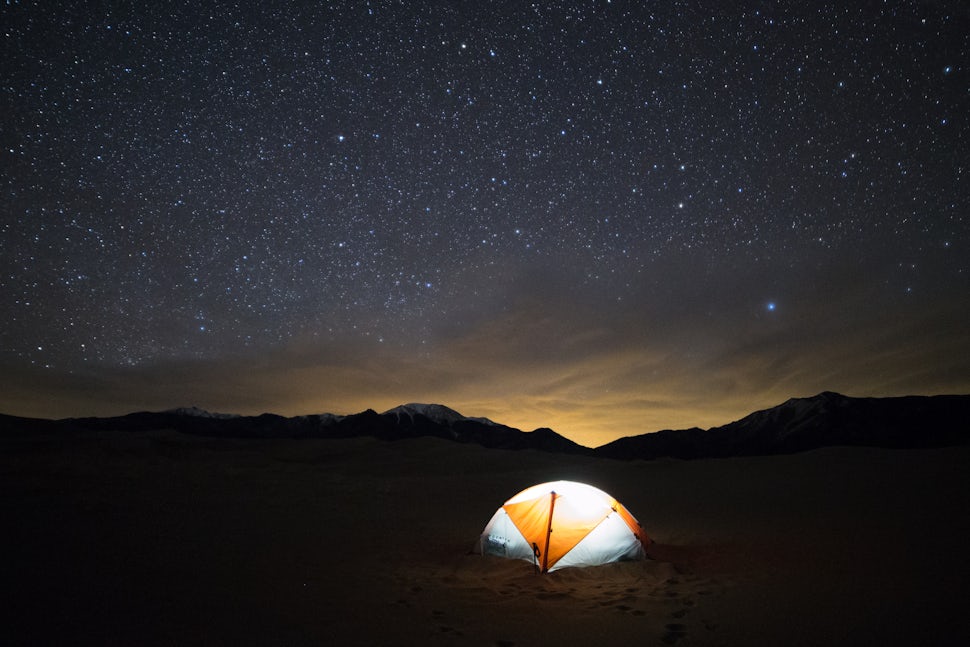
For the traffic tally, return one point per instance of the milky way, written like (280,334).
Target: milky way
(666,211)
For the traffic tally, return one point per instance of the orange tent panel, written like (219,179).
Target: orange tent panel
(569,523)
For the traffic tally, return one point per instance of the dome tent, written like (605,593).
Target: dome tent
(563,523)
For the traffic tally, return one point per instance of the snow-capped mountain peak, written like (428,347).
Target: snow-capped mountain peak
(196,412)
(436,412)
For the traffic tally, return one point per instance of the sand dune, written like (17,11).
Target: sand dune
(160,538)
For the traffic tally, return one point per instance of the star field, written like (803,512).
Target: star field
(521,207)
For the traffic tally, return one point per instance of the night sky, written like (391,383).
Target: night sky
(606,218)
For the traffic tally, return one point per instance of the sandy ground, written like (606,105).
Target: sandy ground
(162,539)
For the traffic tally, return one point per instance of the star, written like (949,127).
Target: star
(217,188)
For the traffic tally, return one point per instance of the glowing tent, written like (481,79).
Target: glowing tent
(563,523)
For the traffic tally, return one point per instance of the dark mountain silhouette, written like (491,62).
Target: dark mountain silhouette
(800,424)
(406,421)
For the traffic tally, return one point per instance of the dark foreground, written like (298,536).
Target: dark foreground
(160,538)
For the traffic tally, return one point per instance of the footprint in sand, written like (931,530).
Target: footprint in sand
(438,615)
(551,596)
(445,629)
(675,632)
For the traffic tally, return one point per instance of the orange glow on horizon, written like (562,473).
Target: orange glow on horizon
(586,385)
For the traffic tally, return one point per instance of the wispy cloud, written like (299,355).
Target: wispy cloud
(590,371)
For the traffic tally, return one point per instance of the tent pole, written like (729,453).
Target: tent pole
(545,554)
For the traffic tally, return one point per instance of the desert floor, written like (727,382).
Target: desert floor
(164,539)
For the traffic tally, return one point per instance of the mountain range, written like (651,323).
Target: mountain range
(800,424)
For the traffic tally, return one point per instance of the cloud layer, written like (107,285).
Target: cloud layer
(675,357)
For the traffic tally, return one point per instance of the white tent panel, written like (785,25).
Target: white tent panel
(611,541)
(598,528)
(501,537)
